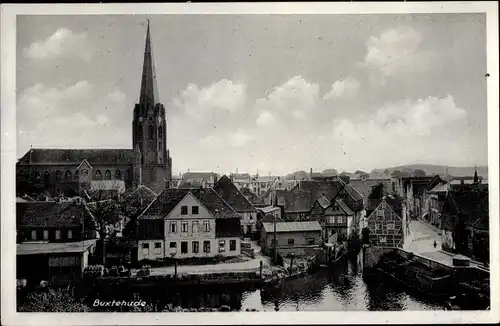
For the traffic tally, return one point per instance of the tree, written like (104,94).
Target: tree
(419,173)
(28,183)
(377,191)
(104,207)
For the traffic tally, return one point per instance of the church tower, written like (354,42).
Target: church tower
(152,162)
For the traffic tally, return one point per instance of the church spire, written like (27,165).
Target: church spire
(476,179)
(149,88)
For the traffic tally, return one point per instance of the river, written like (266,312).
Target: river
(341,288)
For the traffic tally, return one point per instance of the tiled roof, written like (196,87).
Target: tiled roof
(395,202)
(365,187)
(355,195)
(344,207)
(440,188)
(305,226)
(36,248)
(169,198)
(328,188)
(228,191)
(251,196)
(76,156)
(323,201)
(51,214)
(294,200)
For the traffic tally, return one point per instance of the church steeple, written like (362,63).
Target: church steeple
(476,179)
(149,88)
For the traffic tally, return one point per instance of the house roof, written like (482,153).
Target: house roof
(294,200)
(269,218)
(323,202)
(228,191)
(51,214)
(473,204)
(343,206)
(304,226)
(353,193)
(268,209)
(393,201)
(443,187)
(251,196)
(169,198)
(47,156)
(196,179)
(241,176)
(37,248)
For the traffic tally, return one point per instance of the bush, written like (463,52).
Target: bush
(60,300)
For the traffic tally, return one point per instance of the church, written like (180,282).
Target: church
(148,162)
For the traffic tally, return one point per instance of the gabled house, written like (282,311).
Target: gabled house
(340,219)
(228,191)
(386,222)
(54,239)
(252,197)
(426,204)
(295,204)
(291,237)
(185,223)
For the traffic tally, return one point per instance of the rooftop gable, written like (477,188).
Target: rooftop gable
(228,191)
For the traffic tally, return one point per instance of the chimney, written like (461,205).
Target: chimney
(311,173)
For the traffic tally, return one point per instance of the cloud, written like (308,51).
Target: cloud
(266,118)
(70,116)
(402,132)
(343,89)
(63,43)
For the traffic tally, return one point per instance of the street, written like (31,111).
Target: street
(421,238)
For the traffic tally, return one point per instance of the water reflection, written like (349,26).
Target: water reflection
(335,289)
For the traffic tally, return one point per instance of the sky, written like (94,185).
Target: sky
(262,93)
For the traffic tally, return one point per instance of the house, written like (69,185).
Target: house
(197,179)
(183,223)
(54,239)
(386,222)
(266,218)
(295,204)
(338,219)
(426,204)
(291,237)
(228,191)
(465,221)
(365,186)
(252,197)
(270,210)
(406,188)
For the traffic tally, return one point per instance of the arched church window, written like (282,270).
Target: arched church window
(77,174)
(107,175)
(118,175)
(150,132)
(67,175)
(46,178)
(98,175)
(58,175)
(160,132)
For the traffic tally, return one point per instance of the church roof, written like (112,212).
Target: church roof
(149,87)
(42,156)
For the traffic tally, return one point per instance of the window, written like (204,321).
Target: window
(206,247)
(377,226)
(33,235)
(195,210)
(145,248)
(157,247)
(291,241)
(107,175)
(274,242)
(45,234)
(222,245)
(37,175)
(58,175)
(249,229)
(58,234)
(382,240)
(311,241)
(160,132)
(77,174)
(150,132)
(196,247)
(184,247)
(390,226)
(184,210)
(250,217)
(206,226)
(380,213)
(67,175)
(232,245)
(173,227)
(196,226)
(70,234)
(85,171)
(98,175)
(118,174)
(173,244)
(184,227)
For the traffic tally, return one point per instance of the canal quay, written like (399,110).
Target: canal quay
(336,288)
